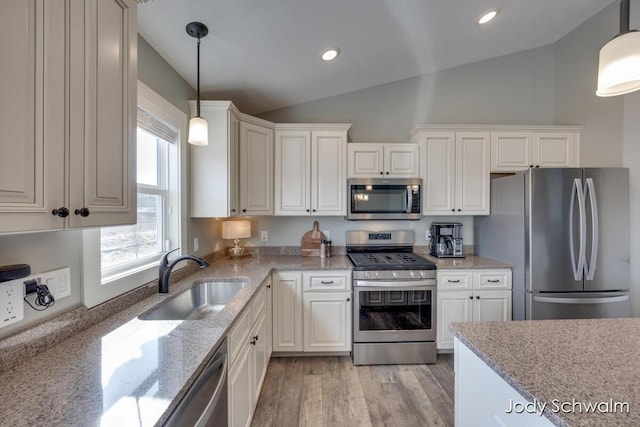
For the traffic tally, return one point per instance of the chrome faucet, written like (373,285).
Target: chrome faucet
(166,267)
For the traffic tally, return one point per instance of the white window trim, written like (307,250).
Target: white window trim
(94,292)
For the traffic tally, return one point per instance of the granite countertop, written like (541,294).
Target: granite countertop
(469,262)
(584,360)
(126,371)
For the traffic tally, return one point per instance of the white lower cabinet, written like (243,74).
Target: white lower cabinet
(471,296)
(249,344)
(312,311)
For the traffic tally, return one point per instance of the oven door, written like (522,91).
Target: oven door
(394,311)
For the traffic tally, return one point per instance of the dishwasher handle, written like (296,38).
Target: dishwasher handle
(190,410)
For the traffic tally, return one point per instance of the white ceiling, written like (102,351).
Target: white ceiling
(265,54)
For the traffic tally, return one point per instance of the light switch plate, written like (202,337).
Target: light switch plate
(264,236)
(58,281)
(11,304)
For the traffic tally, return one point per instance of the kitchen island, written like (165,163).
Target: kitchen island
(582,372)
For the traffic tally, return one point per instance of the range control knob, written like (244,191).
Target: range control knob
(366,274)
(377,274)
(412,274)
(395,274)
(422,274)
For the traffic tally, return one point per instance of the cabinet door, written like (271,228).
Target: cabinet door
(32,114)
(437,151)
(455,280)
(102,131)
(292,172)
(453,306)
(241,390)
(256,169)
(555,149)
(328,177)
(492,279)
(327,321)
(365,160)
(287,311)
(472,173)
(260,356)
(233,164)
(401,160)
(511,151)
(491,306)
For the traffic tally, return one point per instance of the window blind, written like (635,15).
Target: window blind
(156,126)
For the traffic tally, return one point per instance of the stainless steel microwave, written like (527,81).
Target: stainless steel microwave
(380,198)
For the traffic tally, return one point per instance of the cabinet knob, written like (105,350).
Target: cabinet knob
(381,173)
(244,210)
(470,296)
(459,210)
(84,212)
(253,342)
(255,338)
(233,210)
(61,212)
(477,296)
(387,172)
(269,286)
(453,210)
(307,210)
(530,166)
(537,166)
(348,299)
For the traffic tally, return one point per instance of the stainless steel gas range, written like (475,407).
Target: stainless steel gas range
(394,304)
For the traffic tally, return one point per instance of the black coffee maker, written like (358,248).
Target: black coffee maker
(446,240)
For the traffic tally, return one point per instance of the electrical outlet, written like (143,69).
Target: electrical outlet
(11,304)
(196,244)
(264,236)
(327,234)
(427,234)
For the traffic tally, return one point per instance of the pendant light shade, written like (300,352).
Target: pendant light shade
(198,127)
(619,64)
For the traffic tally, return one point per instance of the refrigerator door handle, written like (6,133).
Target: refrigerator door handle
(590,268)
(577,193)
(601,300)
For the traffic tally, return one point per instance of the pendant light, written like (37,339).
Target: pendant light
(619,66)
(198,128)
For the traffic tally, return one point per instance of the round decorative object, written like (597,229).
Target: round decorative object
(14,271)
(197,30)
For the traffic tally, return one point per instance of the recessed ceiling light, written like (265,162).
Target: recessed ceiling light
(488,16)
(330,54)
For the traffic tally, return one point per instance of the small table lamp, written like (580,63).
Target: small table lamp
(236,230)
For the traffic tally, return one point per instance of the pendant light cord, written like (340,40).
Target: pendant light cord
(624,17)
(198,80)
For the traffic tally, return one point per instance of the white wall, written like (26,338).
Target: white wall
(513,89)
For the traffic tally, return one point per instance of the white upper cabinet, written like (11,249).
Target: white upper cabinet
(215,189)
(375,160)
(518,149)
(454,171)
(68,87)
(256,169)
(310,169)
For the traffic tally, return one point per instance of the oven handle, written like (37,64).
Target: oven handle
(405,285)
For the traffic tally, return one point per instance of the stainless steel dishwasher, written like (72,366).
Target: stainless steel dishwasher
(205,403)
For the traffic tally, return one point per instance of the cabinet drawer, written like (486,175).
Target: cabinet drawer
(259,301)
(492,279)
(455,280)
(319,281)
(237,337)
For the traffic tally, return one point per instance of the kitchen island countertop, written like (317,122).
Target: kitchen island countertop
(127,371)
(582,360)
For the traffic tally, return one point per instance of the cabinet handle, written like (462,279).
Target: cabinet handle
(84,212)
(470,296)
(477,296)
(326,282)
(61,212)
(493,281)
(453,281)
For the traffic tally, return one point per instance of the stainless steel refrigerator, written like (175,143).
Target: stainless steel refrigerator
(566,233)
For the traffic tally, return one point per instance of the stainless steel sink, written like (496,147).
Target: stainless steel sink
(202,300)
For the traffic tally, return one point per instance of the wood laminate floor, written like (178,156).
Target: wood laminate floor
(330,391)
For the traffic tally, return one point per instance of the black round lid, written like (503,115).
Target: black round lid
(15,271)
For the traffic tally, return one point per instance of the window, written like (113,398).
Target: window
(126,248)
(120,258)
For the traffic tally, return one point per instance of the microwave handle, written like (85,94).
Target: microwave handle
(409,199)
